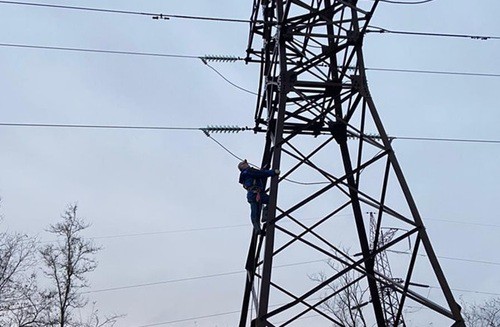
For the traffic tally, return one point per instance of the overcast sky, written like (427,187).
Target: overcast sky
(177,191)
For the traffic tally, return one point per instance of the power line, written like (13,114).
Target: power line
(464,222)
(445,139)
(227,80)
(193,278)
(125,287)
(137,127)
(127,12)
(190,319)
(163,282)
(169,128)
(406,2)
(225,148)
(233,20)
(167,55)
(178,231)
(470,260)
(134,53)
(449,35)
(190,230)
(469,291)
(205,58)
(436,72)
(209,316)
(238,311)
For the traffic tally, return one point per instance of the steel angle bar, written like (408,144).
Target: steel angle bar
(250,276)
(326,298)
(353,106)
(303,202)
(303,302)
(407,281)
(379,206)
(455,308)
(354,265)
(305,159)
(342,207)
(329,280)
(359,168)
(306,18)
(382,201)
(341,181)
(307,230)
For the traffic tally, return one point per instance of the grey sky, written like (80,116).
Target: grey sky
(182,184)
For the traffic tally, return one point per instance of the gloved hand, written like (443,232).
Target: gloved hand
(277,172)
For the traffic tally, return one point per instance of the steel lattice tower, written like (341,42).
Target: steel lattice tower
(317,113)
(389,298)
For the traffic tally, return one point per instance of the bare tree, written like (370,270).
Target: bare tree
(30,307)
(21,302)
(486,314)
(16,258)
(66,264)
(349,299)
(95,320)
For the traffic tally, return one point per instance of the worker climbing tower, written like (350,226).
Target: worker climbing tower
(316,265)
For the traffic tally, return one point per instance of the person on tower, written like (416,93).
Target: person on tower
(253,181)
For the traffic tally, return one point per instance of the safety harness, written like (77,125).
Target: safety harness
(252,188)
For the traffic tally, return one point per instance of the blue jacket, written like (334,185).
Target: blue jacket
(253,180)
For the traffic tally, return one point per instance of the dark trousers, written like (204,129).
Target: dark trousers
(256,209)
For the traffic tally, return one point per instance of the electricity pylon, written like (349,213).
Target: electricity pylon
(317,113)
(388,297)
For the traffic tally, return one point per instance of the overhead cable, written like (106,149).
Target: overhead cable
(84,126)
(236,272)
(134,53)
(467,36)
(163,282)
(195,277)
(190,319)
(469,291)
(127,12)
(238,311)
(445,139)
(406,2)
(436,72)
(227,80)
(464,222)
(207,58)
(220,129)
(177,231)
(234,20)
(191,230)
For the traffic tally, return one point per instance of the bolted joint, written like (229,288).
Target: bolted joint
(267,11)
(360,84)
(269,45)
(353,37)
(286,81)
(286,34)
(328,50)
(338,130)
